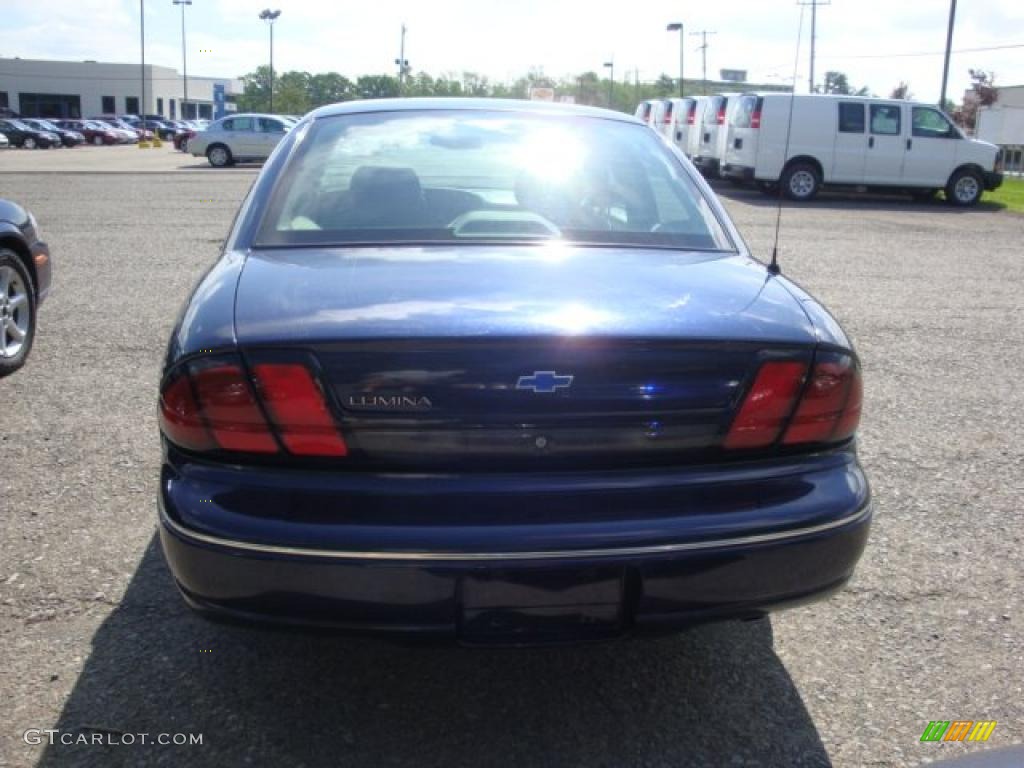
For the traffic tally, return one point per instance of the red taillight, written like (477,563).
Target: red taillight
(180,419)
(297,407)
(209,404)
(230,409)
(668,115)
(691,116)
(767,405)
(828,410)
(755,119)
(720,117)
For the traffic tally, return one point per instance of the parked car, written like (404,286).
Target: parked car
(855,141)
(713,136)
(126,133)
(23,135)
(501,372)
(94,133)
(67,138)
(239,138)
(25,273)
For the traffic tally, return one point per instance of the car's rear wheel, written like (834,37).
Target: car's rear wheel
(219,156)
(29,143)
(964,188)
(801,181)
(17,312)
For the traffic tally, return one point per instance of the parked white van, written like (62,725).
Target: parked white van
(854,141)
(643,111)
(694,121)
(674,127)
(657,115)
(713,134)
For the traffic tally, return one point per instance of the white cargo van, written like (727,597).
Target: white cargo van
(674,127)
(694,121)
(643,111)
(854,141)
(713,134)
(657,114)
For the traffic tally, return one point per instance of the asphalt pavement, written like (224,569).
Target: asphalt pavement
(95,642)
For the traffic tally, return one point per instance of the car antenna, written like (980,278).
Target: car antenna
(773,266)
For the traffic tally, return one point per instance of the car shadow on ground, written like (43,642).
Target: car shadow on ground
(717,695)
(849,200)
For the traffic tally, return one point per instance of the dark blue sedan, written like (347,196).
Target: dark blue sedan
(501,372)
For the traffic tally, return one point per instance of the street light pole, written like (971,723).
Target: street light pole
(611,80)
(403,64)
(142,72)
(270,17)
(678,27)
(184,59)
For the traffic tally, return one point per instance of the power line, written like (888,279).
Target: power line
(925,53)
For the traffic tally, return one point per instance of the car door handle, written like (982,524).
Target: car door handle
(910,143)
(871,143)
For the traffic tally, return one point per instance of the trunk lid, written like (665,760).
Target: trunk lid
(513,356)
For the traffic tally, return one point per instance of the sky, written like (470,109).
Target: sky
(506,39)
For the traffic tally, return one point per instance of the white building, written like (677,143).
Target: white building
(1003,124)
(41,88)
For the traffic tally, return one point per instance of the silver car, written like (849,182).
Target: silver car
(239,138)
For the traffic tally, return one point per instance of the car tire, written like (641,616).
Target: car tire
(17,312)
(965,188)
(29,143)
(219,156)
(801,182)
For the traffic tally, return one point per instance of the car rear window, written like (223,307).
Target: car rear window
(467,175)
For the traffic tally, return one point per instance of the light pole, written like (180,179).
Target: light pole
(270,17)
(611,80)
(143,144)
(184,59)
(949,46)
(677,26)
(402,62)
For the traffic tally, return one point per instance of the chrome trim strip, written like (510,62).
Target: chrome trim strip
(762,538)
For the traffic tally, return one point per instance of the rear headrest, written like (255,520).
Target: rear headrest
(399,185)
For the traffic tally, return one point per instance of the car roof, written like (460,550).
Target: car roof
(468,105)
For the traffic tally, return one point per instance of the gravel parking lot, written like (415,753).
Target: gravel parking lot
(94,639)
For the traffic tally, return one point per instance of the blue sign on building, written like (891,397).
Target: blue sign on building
(219,109)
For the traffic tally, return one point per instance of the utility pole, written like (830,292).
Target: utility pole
(814,33)
(703,48)
(142,104)
(949,47)
(611,80)
(403,64)
(270,17)
(636,85)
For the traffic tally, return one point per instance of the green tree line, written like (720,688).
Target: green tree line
(298,92)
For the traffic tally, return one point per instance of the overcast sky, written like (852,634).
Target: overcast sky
(505,39)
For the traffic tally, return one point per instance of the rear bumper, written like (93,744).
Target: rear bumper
(993,180)
(551,561)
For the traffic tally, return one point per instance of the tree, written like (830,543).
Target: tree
(376,87)
(982,93)
(902,91)
(837,82)
(665,85)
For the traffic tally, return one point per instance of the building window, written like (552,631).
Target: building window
(50,105)
(160,106)
(206,111)
(170,106)
(131,105)
(108,105)
(3,99)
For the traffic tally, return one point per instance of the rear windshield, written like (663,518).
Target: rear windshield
(464,175)
(715,103)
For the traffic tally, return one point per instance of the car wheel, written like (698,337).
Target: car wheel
(219,156)
(17,312)
(29,143)
(97,140)
(964,188)
(800,181)
(184,145)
